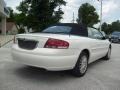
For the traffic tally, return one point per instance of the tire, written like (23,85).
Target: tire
(108,55)
(81,65)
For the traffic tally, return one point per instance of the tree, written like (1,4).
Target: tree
(87,15)
(38,14)
(20,20)
(105,27)
(109,28)
(11,15)
(115,26)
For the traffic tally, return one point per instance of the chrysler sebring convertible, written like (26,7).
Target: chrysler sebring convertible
(64,46)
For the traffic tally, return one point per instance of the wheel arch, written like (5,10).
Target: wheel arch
(87,52)
(75,70)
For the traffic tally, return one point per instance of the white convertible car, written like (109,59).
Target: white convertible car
(63,46)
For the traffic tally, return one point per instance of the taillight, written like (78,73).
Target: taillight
(56,43)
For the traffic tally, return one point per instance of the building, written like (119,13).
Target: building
(11,28)
(4,13)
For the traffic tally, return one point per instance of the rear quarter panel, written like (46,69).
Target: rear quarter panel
(81,43)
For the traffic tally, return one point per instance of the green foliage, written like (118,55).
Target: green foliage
(109,28)
(38,14)
(87,15)
(11,16)
(19,19)
(105,28)
(20,31)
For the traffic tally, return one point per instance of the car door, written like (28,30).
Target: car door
(99,45)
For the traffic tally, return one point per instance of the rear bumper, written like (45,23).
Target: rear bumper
(48,59)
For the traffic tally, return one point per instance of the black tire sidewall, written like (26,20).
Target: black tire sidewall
(108,57)
(76,70)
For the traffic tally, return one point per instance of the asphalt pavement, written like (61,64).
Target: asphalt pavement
(101,75)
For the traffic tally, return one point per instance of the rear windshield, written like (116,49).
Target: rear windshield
(58,30)
(67,29)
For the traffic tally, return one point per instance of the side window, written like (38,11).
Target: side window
(90,34)
(97,34)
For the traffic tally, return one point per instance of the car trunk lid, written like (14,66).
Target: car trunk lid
(40,38)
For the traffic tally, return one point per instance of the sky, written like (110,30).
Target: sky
(111,9)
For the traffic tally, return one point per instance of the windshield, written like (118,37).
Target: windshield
(58,30)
